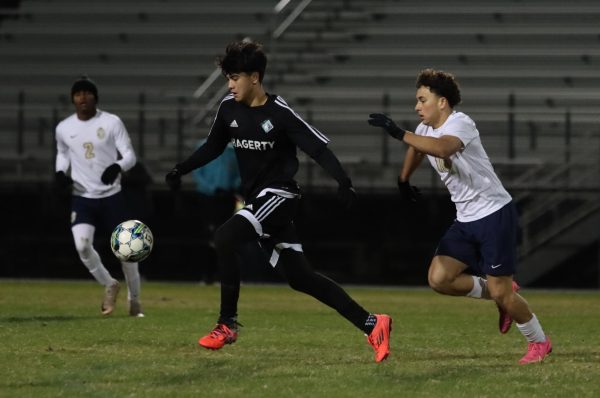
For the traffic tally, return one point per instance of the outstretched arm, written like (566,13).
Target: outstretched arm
(441,147)
(208,151)
(328,161)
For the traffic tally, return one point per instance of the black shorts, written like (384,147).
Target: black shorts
(271,214)
(103,213)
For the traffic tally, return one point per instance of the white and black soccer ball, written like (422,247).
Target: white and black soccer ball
(132,241)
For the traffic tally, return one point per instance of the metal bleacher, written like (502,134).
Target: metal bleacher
(337,62)
(499,48)
(146,57)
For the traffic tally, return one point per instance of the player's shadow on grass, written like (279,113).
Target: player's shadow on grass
(453,357)
(576,356)
(49,318)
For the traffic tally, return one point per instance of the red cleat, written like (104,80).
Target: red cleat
(380,337)
(220,335)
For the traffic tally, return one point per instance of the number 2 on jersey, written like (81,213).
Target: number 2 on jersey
(89,150)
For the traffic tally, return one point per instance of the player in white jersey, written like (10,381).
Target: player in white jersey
(88,144)
(483,238)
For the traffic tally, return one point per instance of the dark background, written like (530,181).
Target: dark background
(381,241)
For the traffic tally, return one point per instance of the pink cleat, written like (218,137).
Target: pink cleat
(536,352)
(505,320)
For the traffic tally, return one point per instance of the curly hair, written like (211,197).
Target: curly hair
(440,83)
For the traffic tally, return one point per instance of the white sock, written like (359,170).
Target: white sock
(132,276)
(532,330)
(83,236)
(479,286)
(97,269)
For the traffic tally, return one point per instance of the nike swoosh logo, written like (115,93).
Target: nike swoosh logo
(496,266)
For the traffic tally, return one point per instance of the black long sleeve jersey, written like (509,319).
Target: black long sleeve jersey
(265,139)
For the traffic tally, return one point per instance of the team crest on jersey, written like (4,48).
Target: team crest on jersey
(267,126)
(101,133)
(444,165)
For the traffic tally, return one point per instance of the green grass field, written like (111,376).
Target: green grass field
(54,343)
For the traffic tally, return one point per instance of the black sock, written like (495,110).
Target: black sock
(231,322)
(370,323)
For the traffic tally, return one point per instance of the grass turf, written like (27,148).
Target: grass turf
(54,343)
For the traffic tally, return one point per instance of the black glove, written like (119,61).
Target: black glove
(381,120)
(63,182)
(173,178)
(346,195)
(408,193)
(110,174)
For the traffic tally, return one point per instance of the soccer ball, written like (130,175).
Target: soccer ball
(132,241)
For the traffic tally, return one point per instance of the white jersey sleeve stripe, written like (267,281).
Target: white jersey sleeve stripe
(226,98)
(279,101)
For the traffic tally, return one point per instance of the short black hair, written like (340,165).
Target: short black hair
(84,83)
(243,56)
(441,83)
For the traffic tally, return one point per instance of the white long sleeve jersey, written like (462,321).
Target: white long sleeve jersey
(89,147)
(468,174)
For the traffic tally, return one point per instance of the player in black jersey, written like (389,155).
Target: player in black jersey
(265,133)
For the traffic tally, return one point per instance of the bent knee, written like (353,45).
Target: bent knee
(84,248)
(439,283)
(443,272)
(438,279)
(500,290)
(502,298)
